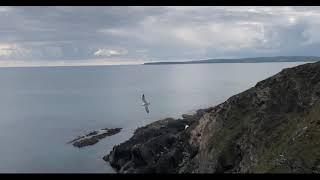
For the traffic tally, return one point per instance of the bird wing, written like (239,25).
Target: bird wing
(147,109)
(144,99)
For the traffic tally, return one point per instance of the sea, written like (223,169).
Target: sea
(42,108)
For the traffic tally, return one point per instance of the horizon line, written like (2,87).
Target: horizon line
(65,64)
(79,65)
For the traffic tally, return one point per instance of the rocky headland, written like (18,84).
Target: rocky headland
(273,127)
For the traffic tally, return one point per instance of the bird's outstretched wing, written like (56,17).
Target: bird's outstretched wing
(147,109)
(144,99)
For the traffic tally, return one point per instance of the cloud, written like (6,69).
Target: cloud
(5,9)
(216,30)
(6,50)
(110,52)
(156,33)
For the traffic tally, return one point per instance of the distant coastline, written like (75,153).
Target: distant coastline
(245,60)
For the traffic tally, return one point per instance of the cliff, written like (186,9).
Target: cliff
(273,127)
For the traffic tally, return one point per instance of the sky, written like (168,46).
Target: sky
(45,36)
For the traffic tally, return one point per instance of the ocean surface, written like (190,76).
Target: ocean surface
(42,108)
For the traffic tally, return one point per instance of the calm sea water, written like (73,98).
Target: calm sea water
(42,108)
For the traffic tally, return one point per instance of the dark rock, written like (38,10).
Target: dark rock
(93,137)
(187,116)
(157,148)
(245,134)
(92,133)
(85,142)
(76,139)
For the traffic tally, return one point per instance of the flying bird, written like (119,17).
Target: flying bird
(145,103)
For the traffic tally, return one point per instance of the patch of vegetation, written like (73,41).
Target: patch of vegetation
(298,147)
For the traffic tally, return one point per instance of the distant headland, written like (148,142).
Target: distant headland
(245,60)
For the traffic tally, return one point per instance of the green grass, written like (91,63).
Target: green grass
(303,152)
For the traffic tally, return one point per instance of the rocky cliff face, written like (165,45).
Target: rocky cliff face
(272,127)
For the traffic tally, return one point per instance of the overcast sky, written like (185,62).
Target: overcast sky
(121,35)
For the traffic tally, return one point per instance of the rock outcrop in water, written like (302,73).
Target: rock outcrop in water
(273,127)
(93,137)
